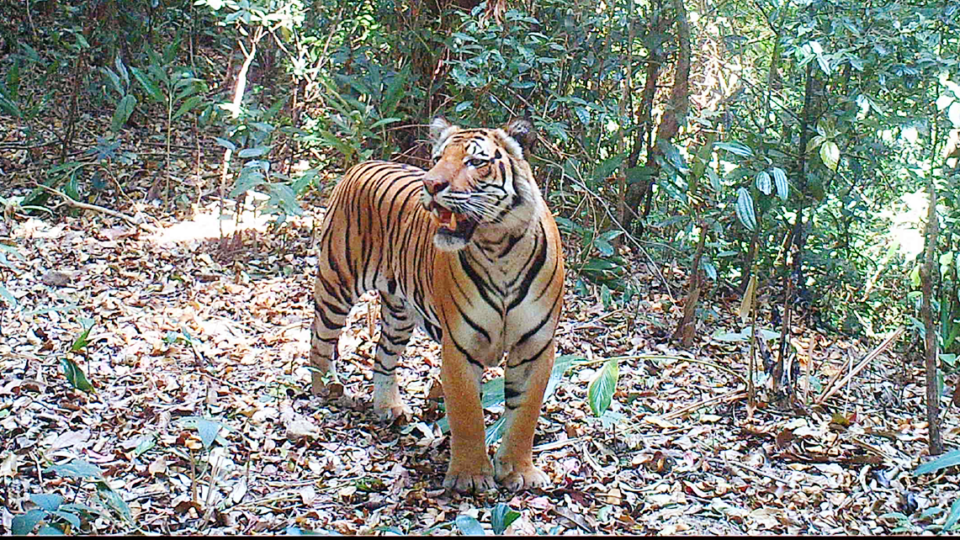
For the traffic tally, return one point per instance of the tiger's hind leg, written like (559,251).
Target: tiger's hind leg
(397,327)
(331,306)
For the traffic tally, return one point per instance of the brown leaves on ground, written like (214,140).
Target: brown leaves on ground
(183,330)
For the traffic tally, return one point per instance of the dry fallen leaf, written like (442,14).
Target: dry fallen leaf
(8,467)
(157,466)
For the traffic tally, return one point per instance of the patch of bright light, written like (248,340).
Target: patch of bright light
(910,134)
(206,223)
(906,227)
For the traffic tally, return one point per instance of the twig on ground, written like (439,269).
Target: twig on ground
(728,396)
(748,468)
(77,204)
(208,510)
(884,345)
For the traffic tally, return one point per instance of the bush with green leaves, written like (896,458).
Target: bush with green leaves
(58,517)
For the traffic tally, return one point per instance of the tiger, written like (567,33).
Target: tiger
(468,251)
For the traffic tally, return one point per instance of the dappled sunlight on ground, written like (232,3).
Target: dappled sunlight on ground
(207,223)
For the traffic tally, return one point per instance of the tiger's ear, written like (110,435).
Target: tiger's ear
(440,131)
(522,131)
(439,128)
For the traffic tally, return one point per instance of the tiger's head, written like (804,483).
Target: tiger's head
(480,181)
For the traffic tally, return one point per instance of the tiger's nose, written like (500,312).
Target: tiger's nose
(434,185)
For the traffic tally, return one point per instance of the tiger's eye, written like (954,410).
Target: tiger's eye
(476,163)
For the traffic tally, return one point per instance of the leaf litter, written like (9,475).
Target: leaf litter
(196,415)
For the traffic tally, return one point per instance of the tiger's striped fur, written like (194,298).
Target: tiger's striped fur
(468,251)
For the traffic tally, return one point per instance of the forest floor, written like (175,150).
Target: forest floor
(201,421)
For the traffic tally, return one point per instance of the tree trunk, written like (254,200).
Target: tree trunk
(674,113)
(687,328)
(927,276)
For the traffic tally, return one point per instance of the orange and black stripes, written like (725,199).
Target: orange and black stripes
(483,275)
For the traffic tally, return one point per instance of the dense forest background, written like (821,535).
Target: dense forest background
(760,176)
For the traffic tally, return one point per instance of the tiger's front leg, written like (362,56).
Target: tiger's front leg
(470,468)
(525,381)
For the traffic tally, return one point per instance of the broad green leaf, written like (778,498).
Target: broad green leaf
(77,468)
(187,106)
(639,174)
(208,431)
(815,142)
(608,166)
(734,147)
(469,526)
(114,79)
(81,341)
(71,188)
(673,156)
(583,114)
(113,501)
(824,63)
(123,112)
(714,179)
(10,107)
(710,269)
(560,367)
(80,508)
(492,393)
(764,184)
(49,530)
(226,144)
(8,297)
(953,516)
(188,87)
(122,71)
(780,179)
(145,444)
(47,501)
(501,517)
(606,296)
(383,122)
(75,375)
(495,431)
(830,154)
(605,248)
(24,524)
(248,180)
(254,152)
(153,91)
(601,389)
(71,518)
(950,459)
(13,81)
(744,209)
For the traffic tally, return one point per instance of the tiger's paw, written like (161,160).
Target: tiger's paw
(388,405)
(391,413)
(330,389)
(516,478)
(467,481)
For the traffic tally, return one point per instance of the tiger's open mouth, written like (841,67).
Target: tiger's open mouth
(451,223)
